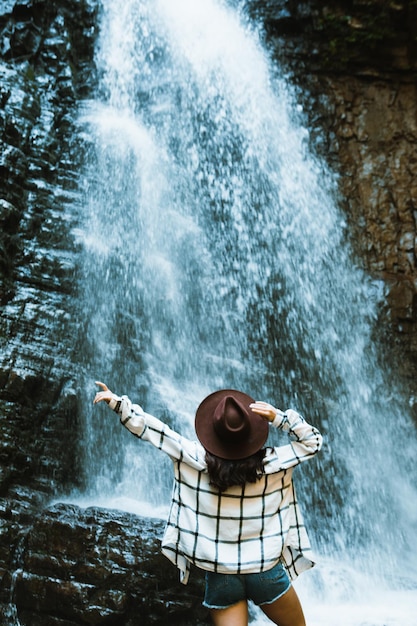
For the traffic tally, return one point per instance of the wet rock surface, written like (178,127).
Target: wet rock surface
(353,37)
(95,566)
(355,65)
(46,51)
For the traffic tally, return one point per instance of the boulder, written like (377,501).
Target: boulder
(96,566)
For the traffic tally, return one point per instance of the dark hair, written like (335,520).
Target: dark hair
(225,473)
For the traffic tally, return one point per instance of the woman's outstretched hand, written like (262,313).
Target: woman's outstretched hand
(264,409)
(105,394)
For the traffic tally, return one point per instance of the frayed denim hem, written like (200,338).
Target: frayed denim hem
(209,606)
(217,608)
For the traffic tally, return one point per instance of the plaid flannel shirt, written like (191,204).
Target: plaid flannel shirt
(243,529)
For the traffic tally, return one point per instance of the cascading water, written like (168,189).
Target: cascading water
(215,256)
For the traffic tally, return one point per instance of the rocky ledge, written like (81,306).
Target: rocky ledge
(93,566)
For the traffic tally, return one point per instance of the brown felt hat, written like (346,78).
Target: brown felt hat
(226,426)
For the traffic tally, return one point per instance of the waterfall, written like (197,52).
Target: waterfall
(216,255)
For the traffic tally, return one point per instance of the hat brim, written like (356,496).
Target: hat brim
(208,437)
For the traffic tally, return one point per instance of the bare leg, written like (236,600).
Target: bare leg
(236,615)
(286,611)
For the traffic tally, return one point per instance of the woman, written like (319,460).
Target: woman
(234,511)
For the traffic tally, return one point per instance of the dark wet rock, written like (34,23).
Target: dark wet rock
(340,36)
(95,566)
(46,52)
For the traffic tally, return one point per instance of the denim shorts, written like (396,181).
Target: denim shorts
(224,590)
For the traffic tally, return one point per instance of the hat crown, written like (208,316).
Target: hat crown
(231,420)
(226,426)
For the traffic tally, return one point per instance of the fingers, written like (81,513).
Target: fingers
(261,407)
(100,396)
(105,394)
(264,409)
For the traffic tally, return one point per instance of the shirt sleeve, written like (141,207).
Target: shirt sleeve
(149,428)
(306,441)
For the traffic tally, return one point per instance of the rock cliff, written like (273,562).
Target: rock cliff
(355,66)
